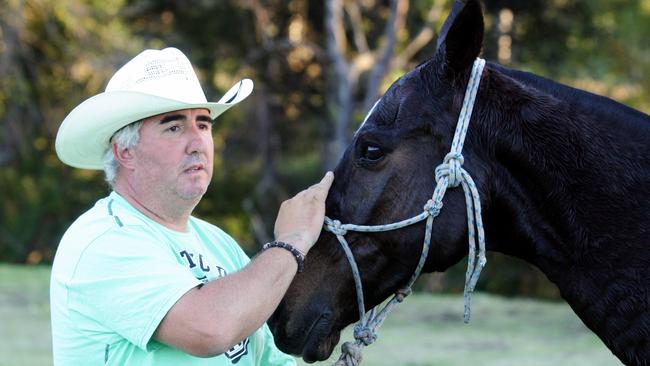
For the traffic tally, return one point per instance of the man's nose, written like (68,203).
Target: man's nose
(197,139)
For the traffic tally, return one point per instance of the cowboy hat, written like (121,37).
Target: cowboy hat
(153,82)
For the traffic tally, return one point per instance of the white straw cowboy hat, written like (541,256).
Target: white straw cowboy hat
(153,82)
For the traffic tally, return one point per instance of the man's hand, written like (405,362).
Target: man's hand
(300,218)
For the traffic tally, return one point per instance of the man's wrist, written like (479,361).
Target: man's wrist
(298,241)
(297,254)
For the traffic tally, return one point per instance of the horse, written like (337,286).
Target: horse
(563,177)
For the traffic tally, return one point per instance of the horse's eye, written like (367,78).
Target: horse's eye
(372,153)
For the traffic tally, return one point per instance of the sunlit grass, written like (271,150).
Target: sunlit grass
(428,330)
(24,316)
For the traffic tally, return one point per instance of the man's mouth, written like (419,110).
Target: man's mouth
(194,168)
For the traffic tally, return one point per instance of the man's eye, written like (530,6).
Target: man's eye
(173,128)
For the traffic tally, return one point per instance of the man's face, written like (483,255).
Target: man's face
(174,156)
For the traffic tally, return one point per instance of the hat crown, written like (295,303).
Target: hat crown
(163,73)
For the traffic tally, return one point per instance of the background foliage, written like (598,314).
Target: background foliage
(55,53)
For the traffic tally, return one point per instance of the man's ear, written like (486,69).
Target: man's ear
(460,40)
(124,156)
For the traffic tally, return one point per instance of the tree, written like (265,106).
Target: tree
(48,64)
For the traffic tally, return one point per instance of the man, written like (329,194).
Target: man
(136,279)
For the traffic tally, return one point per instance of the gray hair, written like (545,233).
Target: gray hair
(126,137)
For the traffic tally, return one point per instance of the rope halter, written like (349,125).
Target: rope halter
(448,174)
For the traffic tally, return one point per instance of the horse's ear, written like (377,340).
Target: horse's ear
(461,38)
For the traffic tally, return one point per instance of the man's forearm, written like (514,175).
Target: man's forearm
(209,320)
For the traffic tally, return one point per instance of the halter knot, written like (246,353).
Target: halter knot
(336,229)
(350,355)
(454,161)
(433,207)
(402,293)
(364,334)
(454,156)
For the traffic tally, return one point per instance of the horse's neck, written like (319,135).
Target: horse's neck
(569,192)
(565,167)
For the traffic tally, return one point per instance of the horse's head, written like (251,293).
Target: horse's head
(387,175)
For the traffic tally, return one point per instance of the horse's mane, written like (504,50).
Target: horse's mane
(580,99)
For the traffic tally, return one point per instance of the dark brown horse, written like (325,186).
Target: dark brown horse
(564,180)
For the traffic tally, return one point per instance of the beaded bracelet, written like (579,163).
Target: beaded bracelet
(300,258)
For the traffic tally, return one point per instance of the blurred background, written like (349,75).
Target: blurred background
(318,66)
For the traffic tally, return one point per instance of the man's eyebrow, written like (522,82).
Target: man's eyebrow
(204,118)
(172,117)
(182,117)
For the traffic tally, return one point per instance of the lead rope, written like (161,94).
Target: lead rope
(448,174)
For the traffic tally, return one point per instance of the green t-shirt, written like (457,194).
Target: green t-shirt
(116,273)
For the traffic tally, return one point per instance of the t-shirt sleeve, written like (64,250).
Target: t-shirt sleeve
(127,281)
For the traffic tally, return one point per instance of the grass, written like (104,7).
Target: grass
(25,337)
(428,330)
(425,330)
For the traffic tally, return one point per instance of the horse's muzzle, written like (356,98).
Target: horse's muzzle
(312,337)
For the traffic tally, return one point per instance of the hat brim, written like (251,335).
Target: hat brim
(84,134)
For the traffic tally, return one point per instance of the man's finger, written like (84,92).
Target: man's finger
(324,185)
(327,180)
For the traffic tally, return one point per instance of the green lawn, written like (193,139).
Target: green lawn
(425,330)
(428,330)
(24,316)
